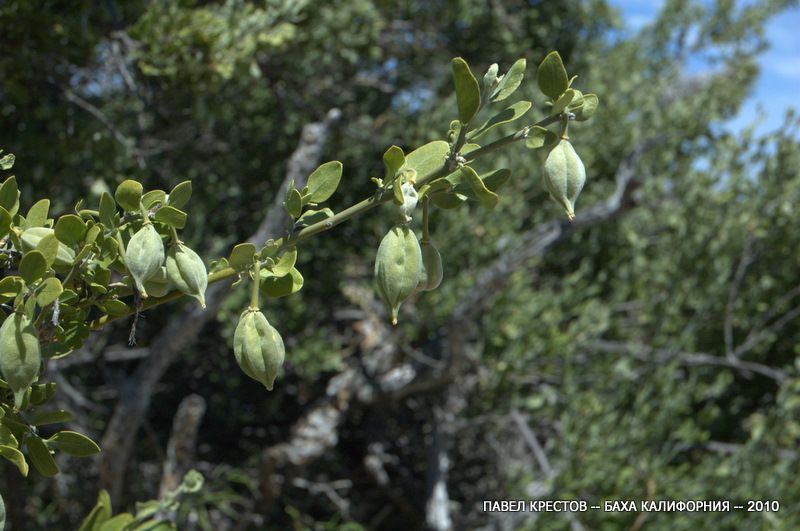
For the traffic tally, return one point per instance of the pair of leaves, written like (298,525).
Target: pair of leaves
(322,183)
(555,83)
(244,254)
(468,92)
(69,442)
(510,81)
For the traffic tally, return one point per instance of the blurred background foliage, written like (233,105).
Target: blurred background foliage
(650,356)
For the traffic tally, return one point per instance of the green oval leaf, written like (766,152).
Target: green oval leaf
(9,195)
(552,76)
(322,183)
(586,111)
(496,179)
(108,210)
(74,443)
(32,266)
(310,217)
(40,457)
(37,215)
(540,137)
(129,195)
(181,194)
(285,263)
(562,103)
(58,416)
(116,307)
(48,246)
(49,291)
(393,159)
(293,203)
(468,92)
(5,222)
(427,159)
(278,287)
(7,437)
(486,197)
(154,197)
(447,200)
(16,457)
(242,256)
(171,216)
(10,287)
(70,228)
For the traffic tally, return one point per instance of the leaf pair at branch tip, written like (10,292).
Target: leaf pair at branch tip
(468,92)
(322,183)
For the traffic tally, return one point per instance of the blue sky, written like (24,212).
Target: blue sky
(779,82)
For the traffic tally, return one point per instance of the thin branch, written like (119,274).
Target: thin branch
(745,261)
(542,238)
(646,353)
(755,339)
(541,457)
(118,135)
(327,224)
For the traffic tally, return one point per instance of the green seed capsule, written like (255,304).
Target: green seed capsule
(188,272)
(159,284)
(431,275)
(258,347)
(144,256)
(20,356)
(564,176)
(398,265)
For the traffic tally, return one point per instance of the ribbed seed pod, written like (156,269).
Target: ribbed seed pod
(20,355)
(258,347)
(144,255)
(564,176)
(398,265)
(188,272)
(431,275)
